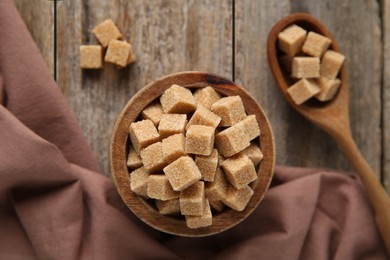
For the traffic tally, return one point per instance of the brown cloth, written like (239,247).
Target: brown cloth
(54,203)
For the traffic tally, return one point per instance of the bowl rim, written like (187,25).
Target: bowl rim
(118,147)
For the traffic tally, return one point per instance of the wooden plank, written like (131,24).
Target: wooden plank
(385,4)
(168,36)
(38,16)
(297,141)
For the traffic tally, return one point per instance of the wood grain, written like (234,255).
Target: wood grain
(386,93)
(168,36)
(38,17)
(298,142)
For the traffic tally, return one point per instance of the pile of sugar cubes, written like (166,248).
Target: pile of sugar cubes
(194,153)
(119,52)
(309,60)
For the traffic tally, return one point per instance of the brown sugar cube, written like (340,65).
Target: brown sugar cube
(118,53)
(168,207)
(182,173)
(230,109)
(239,170)
(142,134)
(303,90)
(305,67)
(232,140)
(331,63)
(139,181)
(205,220)
(206,97)
(133,159)
(217,205)
(172,124)
(91,57)
(237,199)
(178,99)
(153,112)
(106,31)
(203,116)
(192,199)
(152,157)
(207,165)
(159,188)
(251,126)
(216,190)
(329,88)
(173,147)
(220,160)
(254,153)
(290,40)
(315,44)
(199,139)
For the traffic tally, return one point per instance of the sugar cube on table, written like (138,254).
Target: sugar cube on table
(239,170)
(254,153)
(331,63)
(182,173)
(329,88)
(199,139)
(203,116)
(139,181)
(315,44)
(177,99)
(230,109)
(133,159)
(232,140)
(173,147)
(153,158)
(207,165)
(172,124)
(305,67)
(142,134)
(303,90)
(153,112)
(205,220)
(91,57)
(168,207)
(106,31)
(192,199)
(217,205)
(206,97)
(217,189)
(290,40)
(158,187)
(118,53)
(251,126)
(237,199)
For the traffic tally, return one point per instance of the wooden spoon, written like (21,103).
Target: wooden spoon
(332,117)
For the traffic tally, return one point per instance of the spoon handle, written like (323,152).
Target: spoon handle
(376,193)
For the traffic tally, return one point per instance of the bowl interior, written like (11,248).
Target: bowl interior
(119,149)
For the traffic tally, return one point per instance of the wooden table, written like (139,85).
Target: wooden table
(176,35)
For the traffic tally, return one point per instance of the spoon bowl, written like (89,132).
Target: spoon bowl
(331,116)
(313,109)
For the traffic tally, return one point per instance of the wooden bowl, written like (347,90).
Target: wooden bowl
(146,210)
